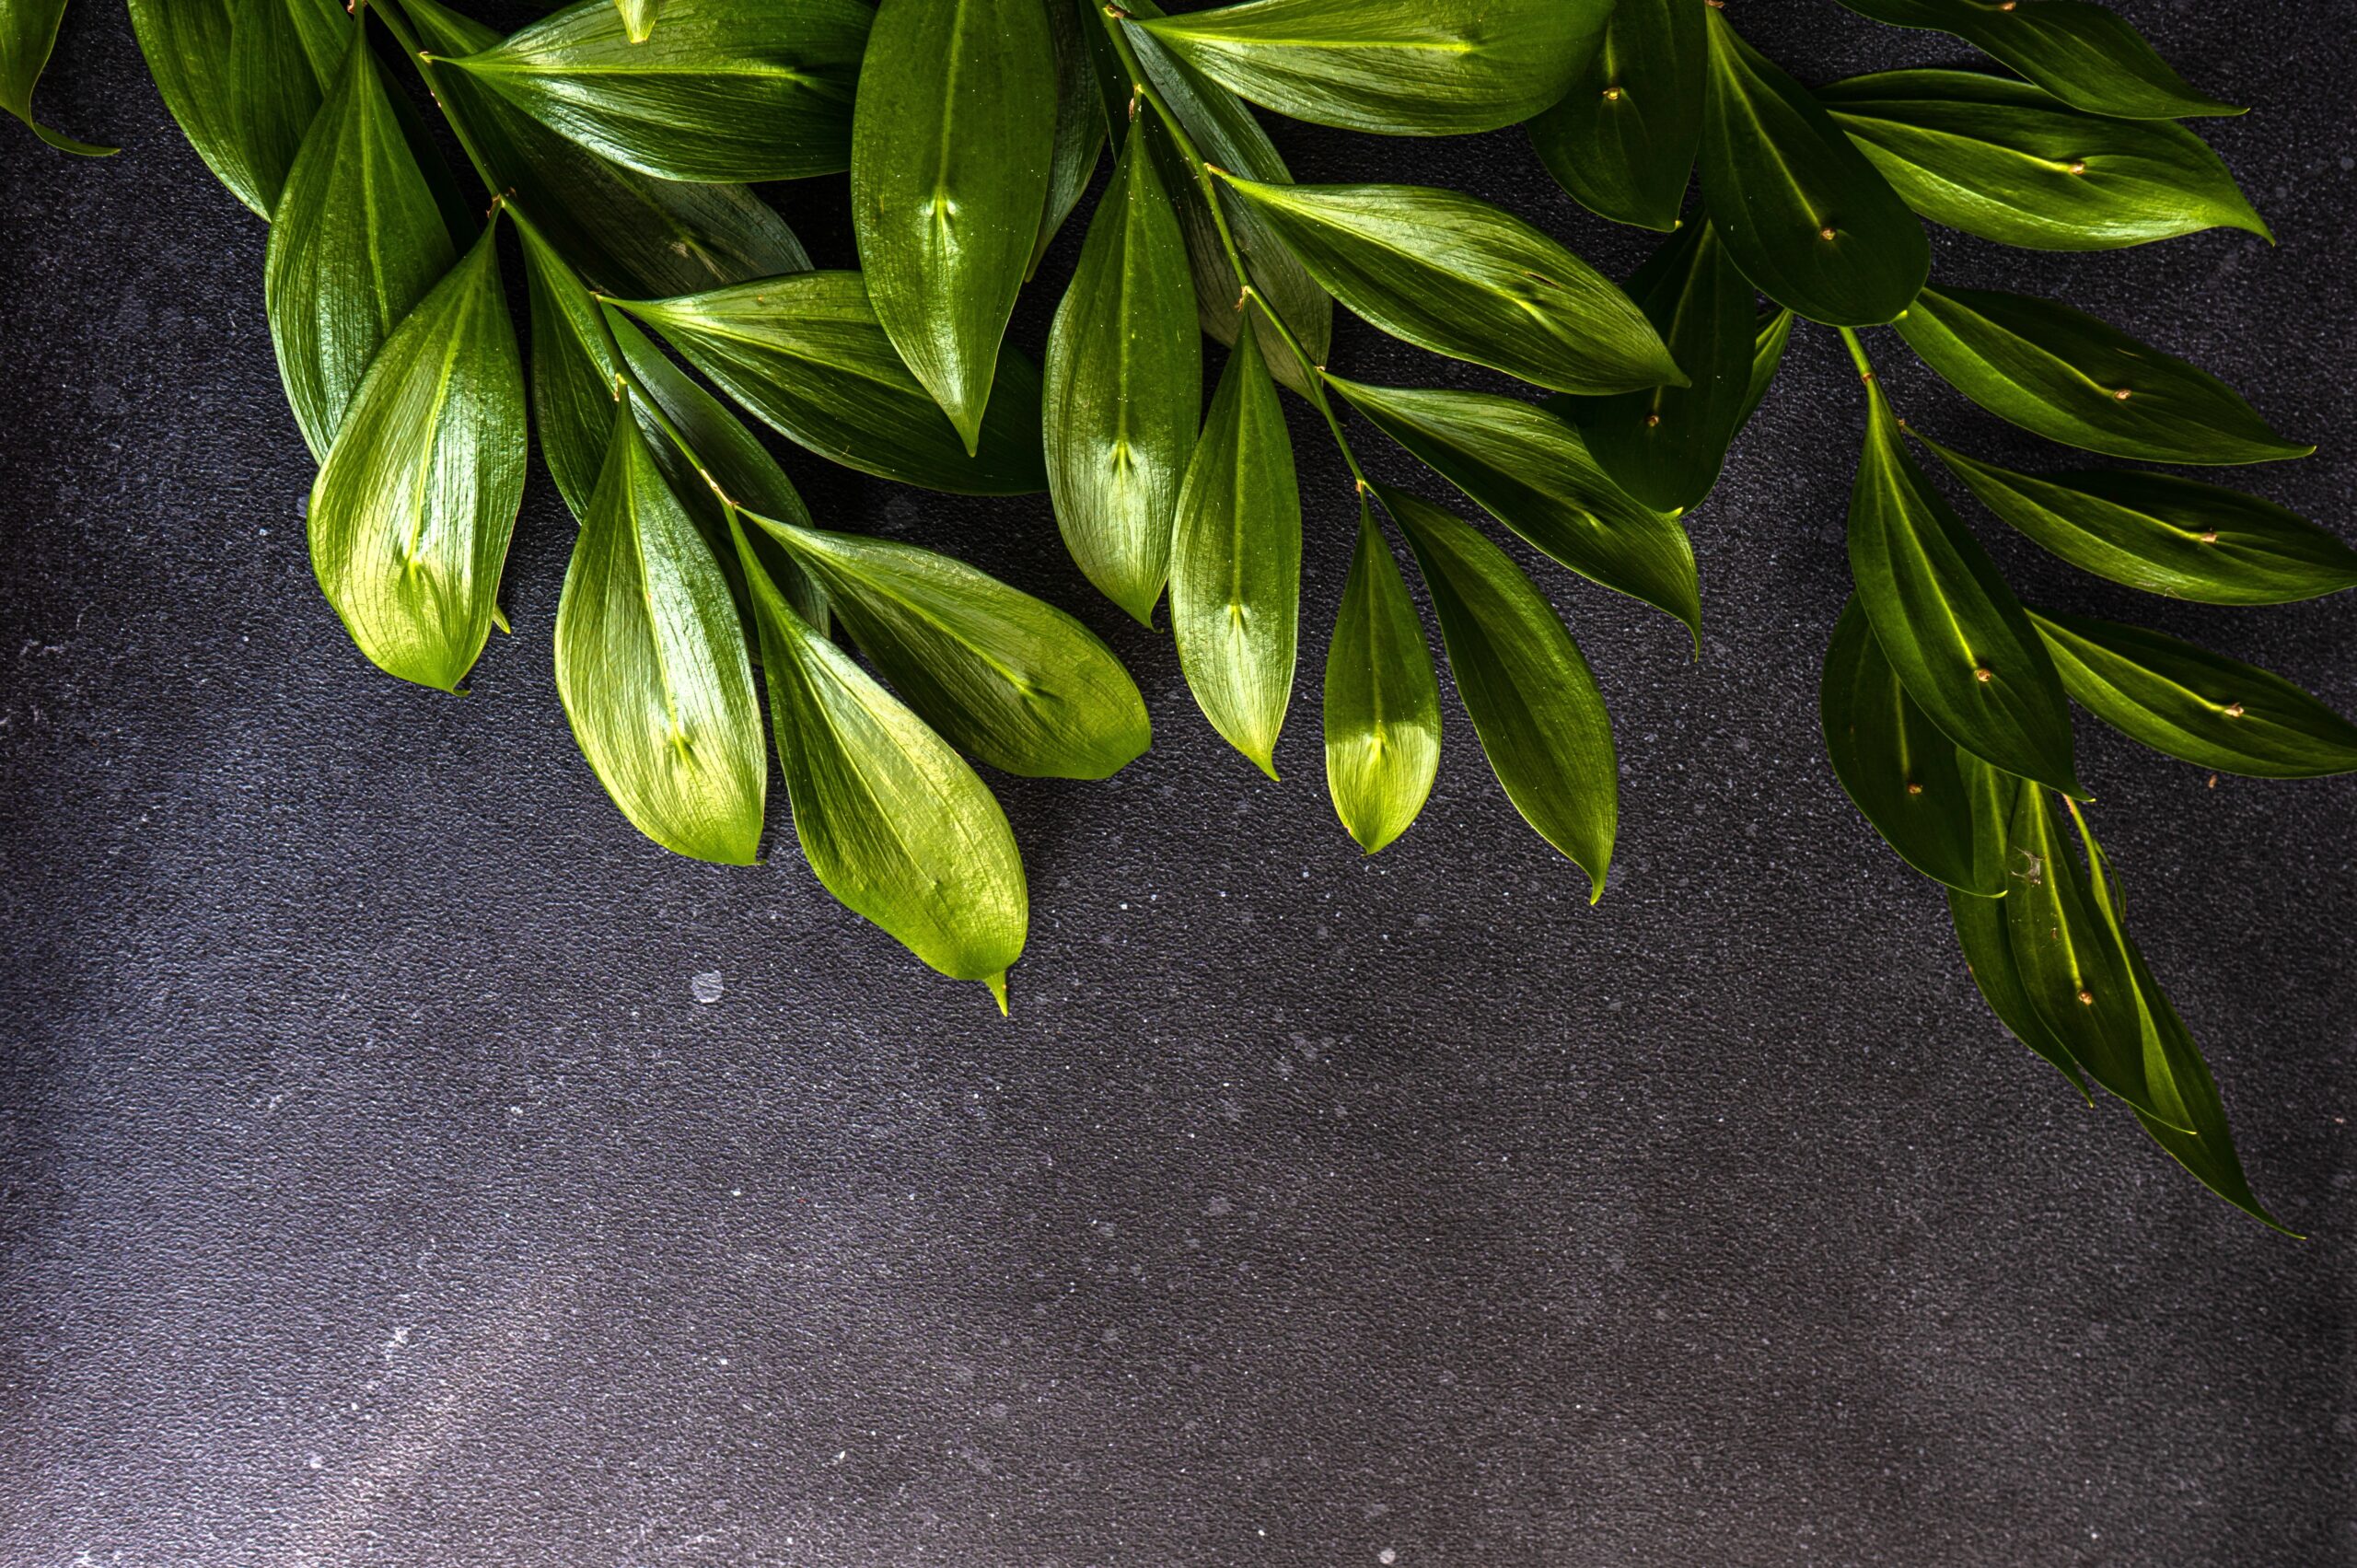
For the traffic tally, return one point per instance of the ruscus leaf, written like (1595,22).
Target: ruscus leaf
(1622,140)
(1382,699)
(243,78)
(1988,953)
(2087,55)
(1768,342)
(28,33)
(1080,123)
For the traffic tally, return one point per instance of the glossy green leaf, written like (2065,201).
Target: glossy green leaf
(1382,699)
(729,92)
(1124,385)
(1622,140)
(2164,534)
(2205,1147)
(411,514)
(1989,955)
(638,18)
(356,242)
(1235,561)
(2063,375)
(893,821)
(1080,125)
(2009,162)
(1940,807)
(28,33)
(1005,678)
(1460,277)
(1531,697)
(1803,213)
(2087,55)
(651,665)
(1946,620)
(243,78)
(2187,703)
(952,140)
(807,354)
(1769,339)
(1665,445)
(1393,67)
(1529,468)
(573,371)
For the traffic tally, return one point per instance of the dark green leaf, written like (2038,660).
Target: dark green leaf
(2187,703)
(1989,955)
(2067,376)
(952,140)
(2207,1149)
(2084,54)
(411,514)
(1622,140)
(1804,213)
(243,77)
(1460,277)
(1124,384)
(1080,125)
(2007,161)
(1768,342)
(27,33)
(1530,695)
(1382,699)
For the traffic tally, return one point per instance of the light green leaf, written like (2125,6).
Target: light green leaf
(1393,67)
(28,33)
(952,140)
(574,369)
(1460,277)
(1235,561)
(2206,1149)
(651,666)
(1080,125)
(638,18)
(243,78)
(1622,140)
(1804,213)
(1530,695)
(1989,955)
(1382,699)
(1768,339)
(411,514)
(2067,376)
(729,92)
(2087,55)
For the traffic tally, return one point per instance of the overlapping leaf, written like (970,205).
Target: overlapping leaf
(243,78)
(28,33)
(1382,699)
(2087,55)
(1622,139)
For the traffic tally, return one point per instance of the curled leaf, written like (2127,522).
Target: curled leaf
(28,33)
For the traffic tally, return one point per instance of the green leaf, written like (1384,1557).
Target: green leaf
(638,18)
(573,366)
(1768,342)
(2067,376)
(729,92)
(1622,140)
(243,78)
(651,666)
(1460,277)
(626,232)
(952,140)
(1005,678)
(1532,700)
(1940,807)
(2206,1149)
(1393,67)
(1080,126)
(1529,468)
(1382,699)
(1665,445)
(1235,561)
(807,354)
(2164,534)
(1124,383)
(2086,55)
(1804,213)
(1989,955)
(893,821)
(28,33)
(1946,620)
(2009,162)
(411,514)
(356,243)
(2187,703)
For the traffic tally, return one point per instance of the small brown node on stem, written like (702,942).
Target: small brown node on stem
(2210,536)
(1826,233)
(1867,377)
(2212,784)
(1613,94)
(2233,710)
(2086,999)
(2120,396)
(1651,420)
(1984,674)
(1914,789)
(2078,166)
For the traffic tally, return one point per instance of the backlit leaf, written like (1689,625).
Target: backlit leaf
(1988,953)
(28,33)
(2087,55)
(1382,699)
(1768,342)
(2205,1147)
(1622,140)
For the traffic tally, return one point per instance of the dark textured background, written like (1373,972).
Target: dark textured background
(373,1188)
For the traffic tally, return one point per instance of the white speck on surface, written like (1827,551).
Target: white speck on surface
(706,987)
(1386,1557)
(315,1461)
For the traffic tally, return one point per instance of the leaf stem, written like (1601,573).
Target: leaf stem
(1857,353)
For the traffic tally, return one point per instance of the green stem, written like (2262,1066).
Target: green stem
(398,24)
(1857,353)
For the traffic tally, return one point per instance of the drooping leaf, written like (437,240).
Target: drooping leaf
(2164,534)
(1530,695)
(952,140)
(1080,125)
(243,78)
(1392,67)
(893,821)
(2063,375)
(2009,162)
(1235,561)
(2205,1148)
(729,92)
(28,33)
(651,665)
(411,514)
(2087,55)
(1529,468)
(1005,678)
(2187,703)
(1460,277)
(1123,386)
(1947,621)
(1940,807)
(1664,446)
(575,366)
(1803,213)
(1989,955)
(638,18)
(356,242)
(1768,342)
(1382,699)
(807,354)
(1622,140)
